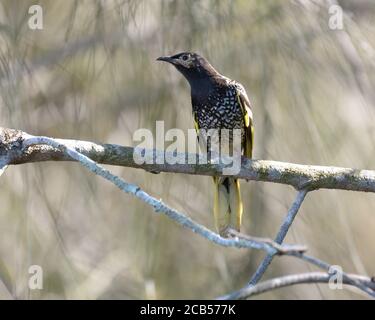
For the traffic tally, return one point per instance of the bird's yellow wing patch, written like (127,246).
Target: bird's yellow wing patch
(196,126)
(244,102)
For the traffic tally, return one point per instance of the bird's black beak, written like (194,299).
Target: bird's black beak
(166,59)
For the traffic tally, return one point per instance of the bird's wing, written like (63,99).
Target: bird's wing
(244,102)
(196,125)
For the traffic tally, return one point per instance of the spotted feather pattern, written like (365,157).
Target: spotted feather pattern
(220,108)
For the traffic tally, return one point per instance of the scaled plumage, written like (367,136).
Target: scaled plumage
(218,103)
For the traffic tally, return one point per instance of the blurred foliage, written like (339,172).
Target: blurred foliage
(91,74)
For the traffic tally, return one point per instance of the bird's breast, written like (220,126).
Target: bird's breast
(218,110)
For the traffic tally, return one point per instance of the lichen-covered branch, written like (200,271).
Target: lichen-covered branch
(12,149)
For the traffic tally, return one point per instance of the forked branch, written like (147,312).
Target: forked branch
(17,147)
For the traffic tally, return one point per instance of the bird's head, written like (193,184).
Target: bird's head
(193,66)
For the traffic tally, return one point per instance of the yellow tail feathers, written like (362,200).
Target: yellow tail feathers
(227,204)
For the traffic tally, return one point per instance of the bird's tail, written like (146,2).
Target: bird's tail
(227,204)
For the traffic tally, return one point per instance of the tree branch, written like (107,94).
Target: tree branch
(280,236)
(311,277)
(299,176)
(18,147)
(292,212)
(240,242)
(363,283)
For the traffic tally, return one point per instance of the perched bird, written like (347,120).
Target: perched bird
(218,103)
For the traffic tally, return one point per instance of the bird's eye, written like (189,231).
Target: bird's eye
(184,57)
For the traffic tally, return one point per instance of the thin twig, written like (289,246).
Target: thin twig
(18,147)
(280,238)
(329,268)
(280,235)
(298,249)
(311,277)
(159,206)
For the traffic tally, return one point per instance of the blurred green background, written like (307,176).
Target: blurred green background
(91,74)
